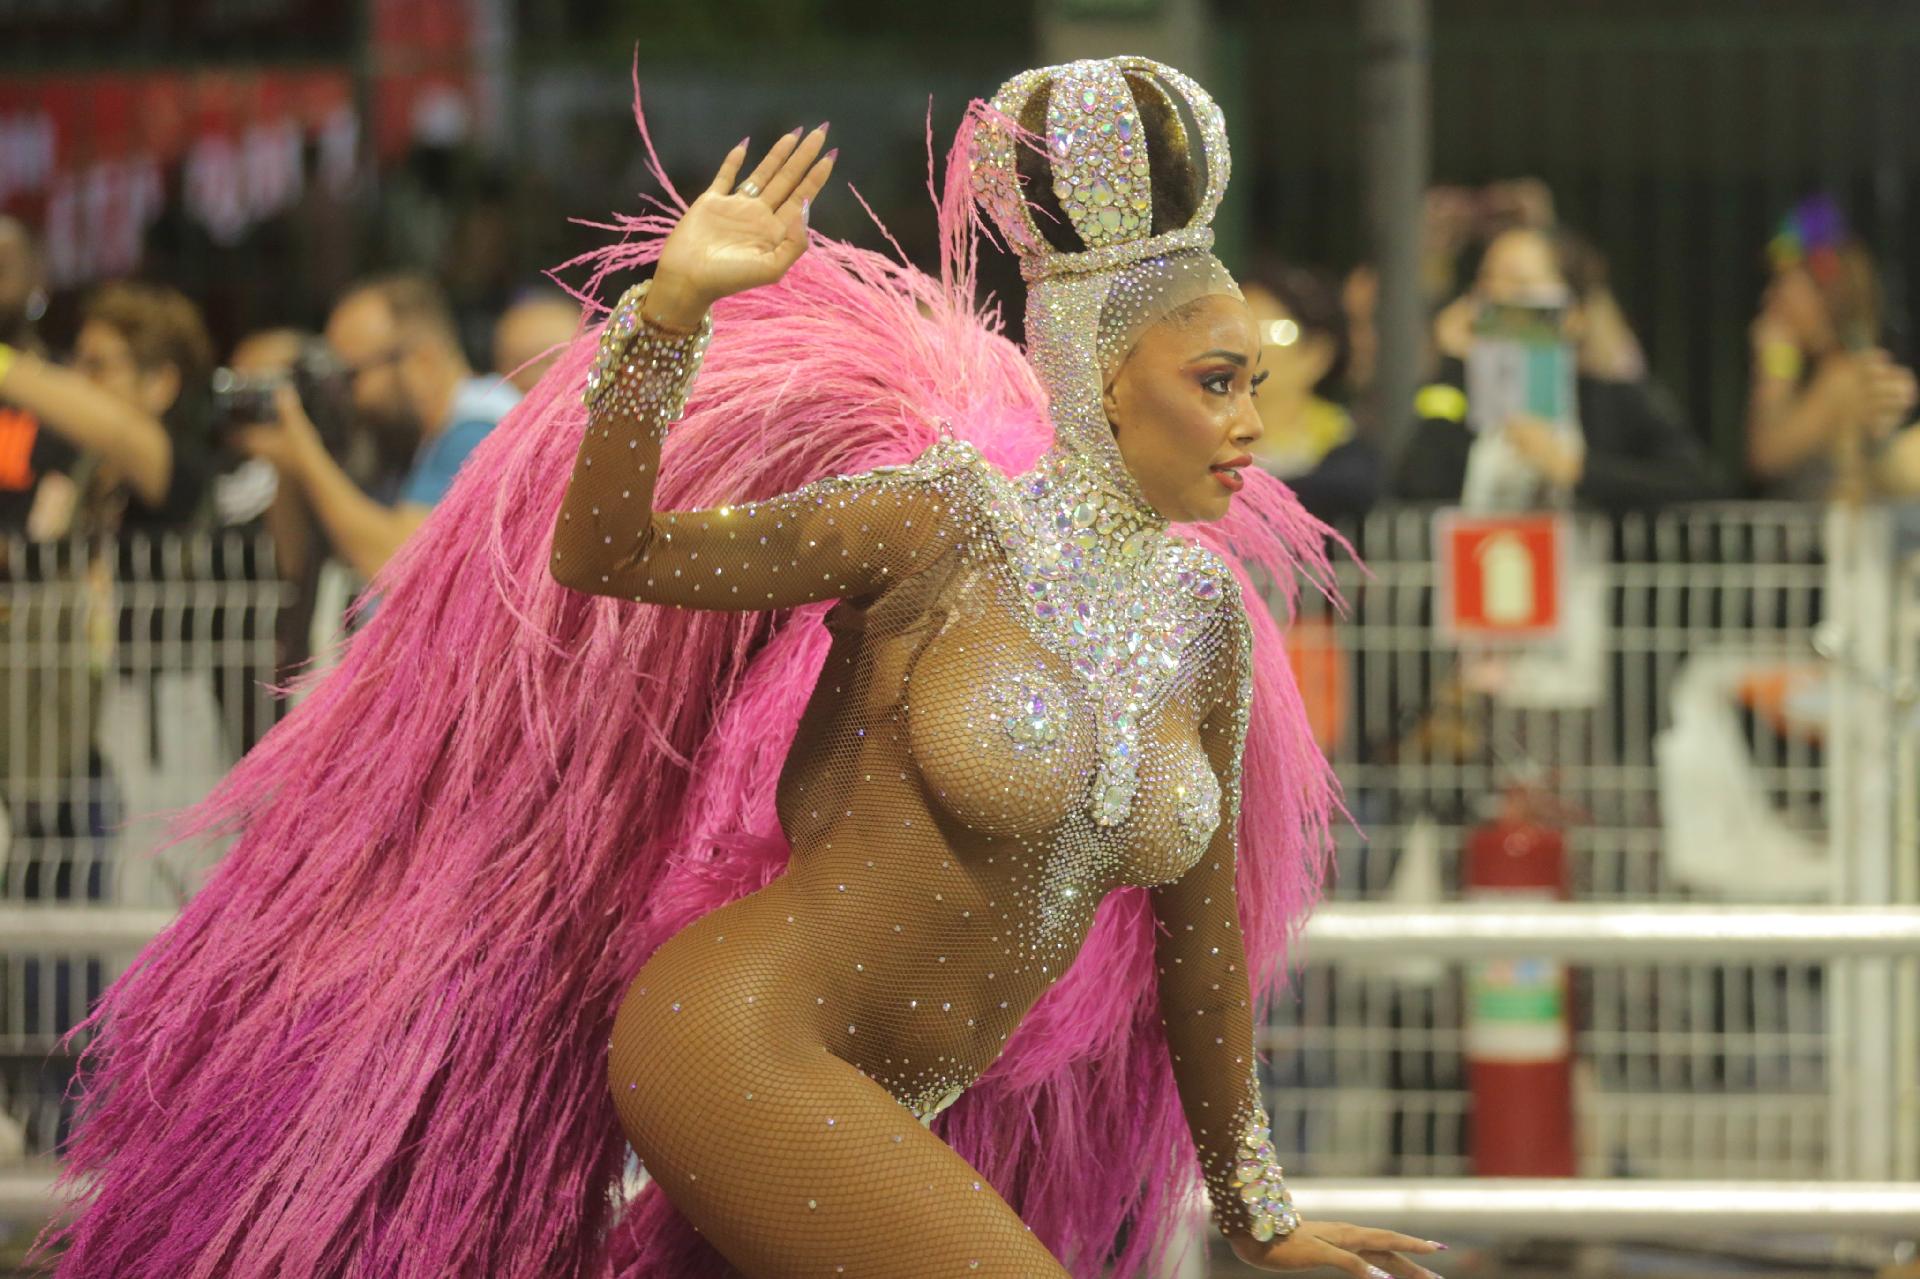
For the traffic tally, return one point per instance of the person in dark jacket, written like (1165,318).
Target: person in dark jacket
(1634,452)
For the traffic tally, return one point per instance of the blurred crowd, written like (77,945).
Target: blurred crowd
(334,444)
(1538,391)
(337,443)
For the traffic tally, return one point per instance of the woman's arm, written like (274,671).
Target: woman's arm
(1205,1005)
(845,536)
(1205,1001)
(93,421)
(839,537)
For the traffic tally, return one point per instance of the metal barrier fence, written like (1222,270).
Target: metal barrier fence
(1695,657)
(131,681)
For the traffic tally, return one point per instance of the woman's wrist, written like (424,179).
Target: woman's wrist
(642,367)
(1779,361)
(674,306)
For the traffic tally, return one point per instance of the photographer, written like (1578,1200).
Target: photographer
(133,404)
(1623,450)
(407,382)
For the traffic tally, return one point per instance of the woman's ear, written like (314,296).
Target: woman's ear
(1110,402)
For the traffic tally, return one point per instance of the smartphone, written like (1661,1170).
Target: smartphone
(1521,363)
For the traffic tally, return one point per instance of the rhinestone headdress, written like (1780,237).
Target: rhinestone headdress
(1086,308)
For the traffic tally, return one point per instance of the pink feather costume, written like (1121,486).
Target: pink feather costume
(376,1042)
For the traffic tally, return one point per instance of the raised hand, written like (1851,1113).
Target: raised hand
(739,235)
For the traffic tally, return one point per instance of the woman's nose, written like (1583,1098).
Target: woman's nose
(1248,426)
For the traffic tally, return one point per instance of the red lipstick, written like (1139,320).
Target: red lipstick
(1228,472)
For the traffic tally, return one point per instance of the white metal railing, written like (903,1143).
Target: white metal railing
(132,674)
(1585,1209)
(1596,933)
(1347,932)
(1709,1013)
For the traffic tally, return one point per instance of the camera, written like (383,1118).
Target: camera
(246,399)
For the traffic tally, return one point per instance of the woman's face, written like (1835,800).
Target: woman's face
(1795,300)
(1521,267)
(104,357)
(1182,408)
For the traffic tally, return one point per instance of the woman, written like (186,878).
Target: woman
(1630,452)
(135,403)
(462,846)
(1825,395)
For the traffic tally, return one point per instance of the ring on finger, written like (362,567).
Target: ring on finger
(749,188)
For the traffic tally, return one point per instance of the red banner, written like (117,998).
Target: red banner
(423,82)
(88,159)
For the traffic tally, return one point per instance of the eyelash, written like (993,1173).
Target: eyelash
(1227,378)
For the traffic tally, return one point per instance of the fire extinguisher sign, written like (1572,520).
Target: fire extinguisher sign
(1500,577)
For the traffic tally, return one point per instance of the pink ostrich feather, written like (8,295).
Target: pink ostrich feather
(373,1043)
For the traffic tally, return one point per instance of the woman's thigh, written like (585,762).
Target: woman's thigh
(792,1162)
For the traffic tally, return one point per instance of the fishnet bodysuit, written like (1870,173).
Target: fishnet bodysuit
(958,800)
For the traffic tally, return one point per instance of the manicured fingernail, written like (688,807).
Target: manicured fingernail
(741,144)
(798,131)
(1436,1245)
(824,126)
(1375,1272)
(831,154)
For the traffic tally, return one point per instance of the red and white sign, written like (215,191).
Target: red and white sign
(1501,577)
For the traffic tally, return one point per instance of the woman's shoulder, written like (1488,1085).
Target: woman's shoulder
(945,457)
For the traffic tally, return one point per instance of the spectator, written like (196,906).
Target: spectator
(1825,395)
(1605,344)
(321,585)
(1310,440)
(1632,451)
(37,492)
(531,334)
(134,404)
(407,379)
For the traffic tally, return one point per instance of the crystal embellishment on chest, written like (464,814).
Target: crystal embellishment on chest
(1109,591)
(1031,710)
(1197,799)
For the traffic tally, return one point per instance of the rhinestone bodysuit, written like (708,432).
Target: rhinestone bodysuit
(1034,693)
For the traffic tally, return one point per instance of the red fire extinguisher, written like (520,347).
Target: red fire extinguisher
(1519,1031)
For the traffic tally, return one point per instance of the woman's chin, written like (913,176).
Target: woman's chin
(1216,504)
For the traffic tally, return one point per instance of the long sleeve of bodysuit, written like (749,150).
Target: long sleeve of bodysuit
(843,536)
(1205,990)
